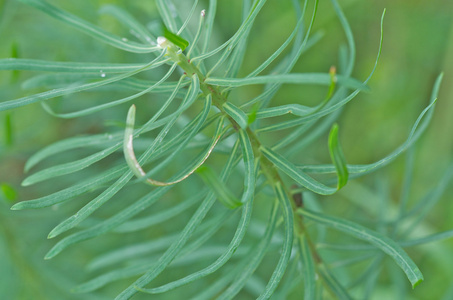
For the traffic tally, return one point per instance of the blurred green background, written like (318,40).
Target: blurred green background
(418,45)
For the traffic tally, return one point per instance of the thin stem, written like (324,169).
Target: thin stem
(267,167)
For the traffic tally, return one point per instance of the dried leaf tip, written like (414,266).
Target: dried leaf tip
(332,73)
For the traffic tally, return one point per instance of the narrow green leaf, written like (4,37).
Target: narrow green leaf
(201,25)
(293,78)
(236,113)
(110,223)
(222,260)
(175,39)
(294,109)
(291,170)
(211,12)
(285,255)
(187,256)
(8,192)
(65,67)
(336,154)
(384,243)
(167,12)
(136,28)
(162,216)
(252,263)
(221,191)
(85,186)
(90,29)
(333,284)
(69,144)
(111,103)
(338,100)
(70,167)
(237,37)
(176,247)
(8,133)
(308,267)
(74,89)
(249,163)
(271,58)
(186,135)
(116,256)
(418,128)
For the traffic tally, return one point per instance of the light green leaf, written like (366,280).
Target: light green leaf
(183,138)
(336,154)
(70,167)
(176,247)
(66,67)
(110,103)
(252,262)
(308,267)
(285,255)
(334,285)
(418,128)
(291,170)
(222,260)
(137,29)
(294,78)
(167,12)
(236,38)
(221,191)
(236,113)
(90,29)
(85,186)
(249,163)
(384,243)
(74,89)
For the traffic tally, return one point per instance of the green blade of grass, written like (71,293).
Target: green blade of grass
(382,242)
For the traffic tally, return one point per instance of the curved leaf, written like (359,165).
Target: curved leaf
(384,243)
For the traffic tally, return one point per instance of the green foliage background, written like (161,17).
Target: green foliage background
(418,45)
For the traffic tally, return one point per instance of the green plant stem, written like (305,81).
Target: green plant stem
(268,168)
